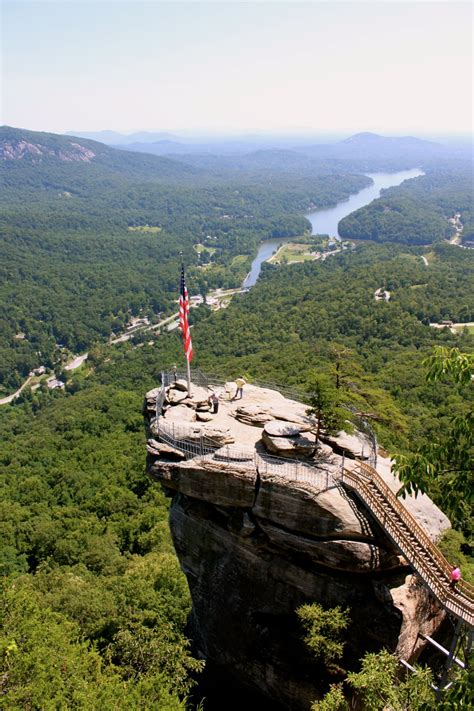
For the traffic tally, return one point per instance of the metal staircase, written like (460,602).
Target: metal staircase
(417,547)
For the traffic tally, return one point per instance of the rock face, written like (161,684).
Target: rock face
(254,549)
(255,546)
(18,149)
(352,446)
(258,415)
(292,446)
(279,428)
(174,397)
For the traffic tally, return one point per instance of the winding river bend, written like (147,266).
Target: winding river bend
(327,221)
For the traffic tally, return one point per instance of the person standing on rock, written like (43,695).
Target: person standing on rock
(240,382)
(214,403)
(455,577)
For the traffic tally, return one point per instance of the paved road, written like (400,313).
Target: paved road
(79,360)
(126,336)
(9,398)
(72,365)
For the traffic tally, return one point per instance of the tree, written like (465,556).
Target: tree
(339,356)
(45,664)
(323,631)
(325,407)
(445,464)
(378,687)
(334,700)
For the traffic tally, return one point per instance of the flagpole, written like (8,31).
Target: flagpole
(183,313)
(188,374)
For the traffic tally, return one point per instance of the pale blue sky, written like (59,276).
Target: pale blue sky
(236,66)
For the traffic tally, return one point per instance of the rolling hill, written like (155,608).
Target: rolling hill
(24,154)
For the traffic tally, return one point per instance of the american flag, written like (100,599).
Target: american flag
(183,317)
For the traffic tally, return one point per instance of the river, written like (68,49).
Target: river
(326,221)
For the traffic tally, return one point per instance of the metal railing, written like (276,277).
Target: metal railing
(160,399)
(194,444)
(295,393)
(168,377)
(415,544)
(211,380)
(367,429)
(413,541)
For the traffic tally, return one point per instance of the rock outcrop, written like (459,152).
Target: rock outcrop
(255,545)
(285,439)
(295,446)
(18,149)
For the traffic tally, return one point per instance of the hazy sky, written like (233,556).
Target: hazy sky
(232,66)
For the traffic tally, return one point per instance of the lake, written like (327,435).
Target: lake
(326,221)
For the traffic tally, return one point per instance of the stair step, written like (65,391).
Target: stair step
(423,555)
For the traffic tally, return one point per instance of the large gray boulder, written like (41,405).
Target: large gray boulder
(213,433)
(198,398)
(161,449)
(257,415)
(219,435)
(253,415)
(152,394)
(180,414)
(279,428)
(297,446)
(174,397)
(354,446)
(203,416)
(180,384)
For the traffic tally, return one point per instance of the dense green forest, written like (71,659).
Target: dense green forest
(93,604)
(72,271)
(417,211)
(95,610)
(90,577)
(306,311)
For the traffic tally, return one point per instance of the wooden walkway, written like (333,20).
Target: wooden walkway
(417,547)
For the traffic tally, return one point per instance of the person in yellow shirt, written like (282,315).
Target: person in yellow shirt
(240,382)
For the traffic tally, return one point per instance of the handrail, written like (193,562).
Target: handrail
(420,551)
(413,524)
(213,380)
(296,393)
(184,439)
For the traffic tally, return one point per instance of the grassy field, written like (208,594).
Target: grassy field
(144,228)
(238,260)
(200,248)
(292,252)
(460,327)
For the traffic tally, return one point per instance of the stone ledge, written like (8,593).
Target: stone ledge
(209,481)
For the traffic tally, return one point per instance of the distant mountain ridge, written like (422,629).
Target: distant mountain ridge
(364,146)
(371,145)
(39,152)
(116,138)
(366,138)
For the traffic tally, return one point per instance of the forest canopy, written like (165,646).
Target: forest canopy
(73,272)
(93,603)
(416,212)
